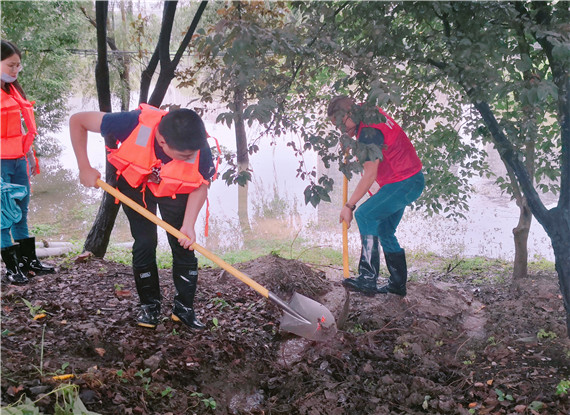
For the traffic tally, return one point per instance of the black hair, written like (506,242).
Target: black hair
(183,129)
(8,50)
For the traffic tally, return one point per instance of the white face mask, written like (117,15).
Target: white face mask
(7,78)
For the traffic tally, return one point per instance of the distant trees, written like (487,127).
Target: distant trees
(45,31)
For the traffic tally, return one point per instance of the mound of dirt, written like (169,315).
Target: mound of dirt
(450,346)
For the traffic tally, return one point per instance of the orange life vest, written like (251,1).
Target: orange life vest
(135,160)
(15,142)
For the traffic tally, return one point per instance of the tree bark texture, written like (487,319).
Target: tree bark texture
(98,238)
(242,160)
(161,55)
(123,60)
(520,234)
(102,66)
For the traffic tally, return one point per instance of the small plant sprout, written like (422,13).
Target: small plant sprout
(563,387)
(61,370)
(220,303)
(167,392)
(142,372)
(216,324)
(36,311)
(546,335)
(119,287)
(357,329)
(501,396)
(536,406)
(209,403)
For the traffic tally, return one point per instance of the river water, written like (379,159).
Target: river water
(63,210)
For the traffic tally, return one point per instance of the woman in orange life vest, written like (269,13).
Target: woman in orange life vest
(163,160)
(18,163)
(399,175)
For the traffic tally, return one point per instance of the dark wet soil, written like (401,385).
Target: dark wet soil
(452,346)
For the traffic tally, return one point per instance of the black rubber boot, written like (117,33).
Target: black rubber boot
(185,282)
(398,269)
(14,274)
(368,267)
(148,288)
(29,260)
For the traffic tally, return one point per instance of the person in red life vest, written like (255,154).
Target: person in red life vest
(163,160)
(18,164)
(399,175)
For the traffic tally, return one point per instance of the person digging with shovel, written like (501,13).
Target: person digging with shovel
(163,160)
(399,175)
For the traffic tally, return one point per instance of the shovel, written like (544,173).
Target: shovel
(303,316)
(345,270)
(343,315)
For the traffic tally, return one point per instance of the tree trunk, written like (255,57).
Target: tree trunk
(99,235)
(520,234)
(162,52)
(242,160)
(125,60)
(98,238)
(102,66)
(559,233)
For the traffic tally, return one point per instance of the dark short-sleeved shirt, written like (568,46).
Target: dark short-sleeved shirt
(370,135)
(117,126)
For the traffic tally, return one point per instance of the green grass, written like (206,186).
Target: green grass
(540,264)
(122,255)
(477,270)
(44,230)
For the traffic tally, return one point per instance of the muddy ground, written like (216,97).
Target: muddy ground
(455,345)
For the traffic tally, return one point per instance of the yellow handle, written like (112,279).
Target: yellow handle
(346,271)
(176,233)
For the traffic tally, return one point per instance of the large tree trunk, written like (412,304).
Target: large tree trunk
(102,66)
(242,160)
(99,235)
(98,238)
(558,229)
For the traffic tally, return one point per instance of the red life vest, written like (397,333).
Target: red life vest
(135,159)
(400,160)
(15,142)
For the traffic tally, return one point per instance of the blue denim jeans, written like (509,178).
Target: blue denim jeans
(381,213)
(16,171)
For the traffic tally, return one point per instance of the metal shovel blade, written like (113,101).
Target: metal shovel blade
(309,319)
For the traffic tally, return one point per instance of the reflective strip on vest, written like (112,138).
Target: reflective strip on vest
(143,135)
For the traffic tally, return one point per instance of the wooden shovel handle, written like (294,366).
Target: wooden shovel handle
(345,269)
(179,235)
